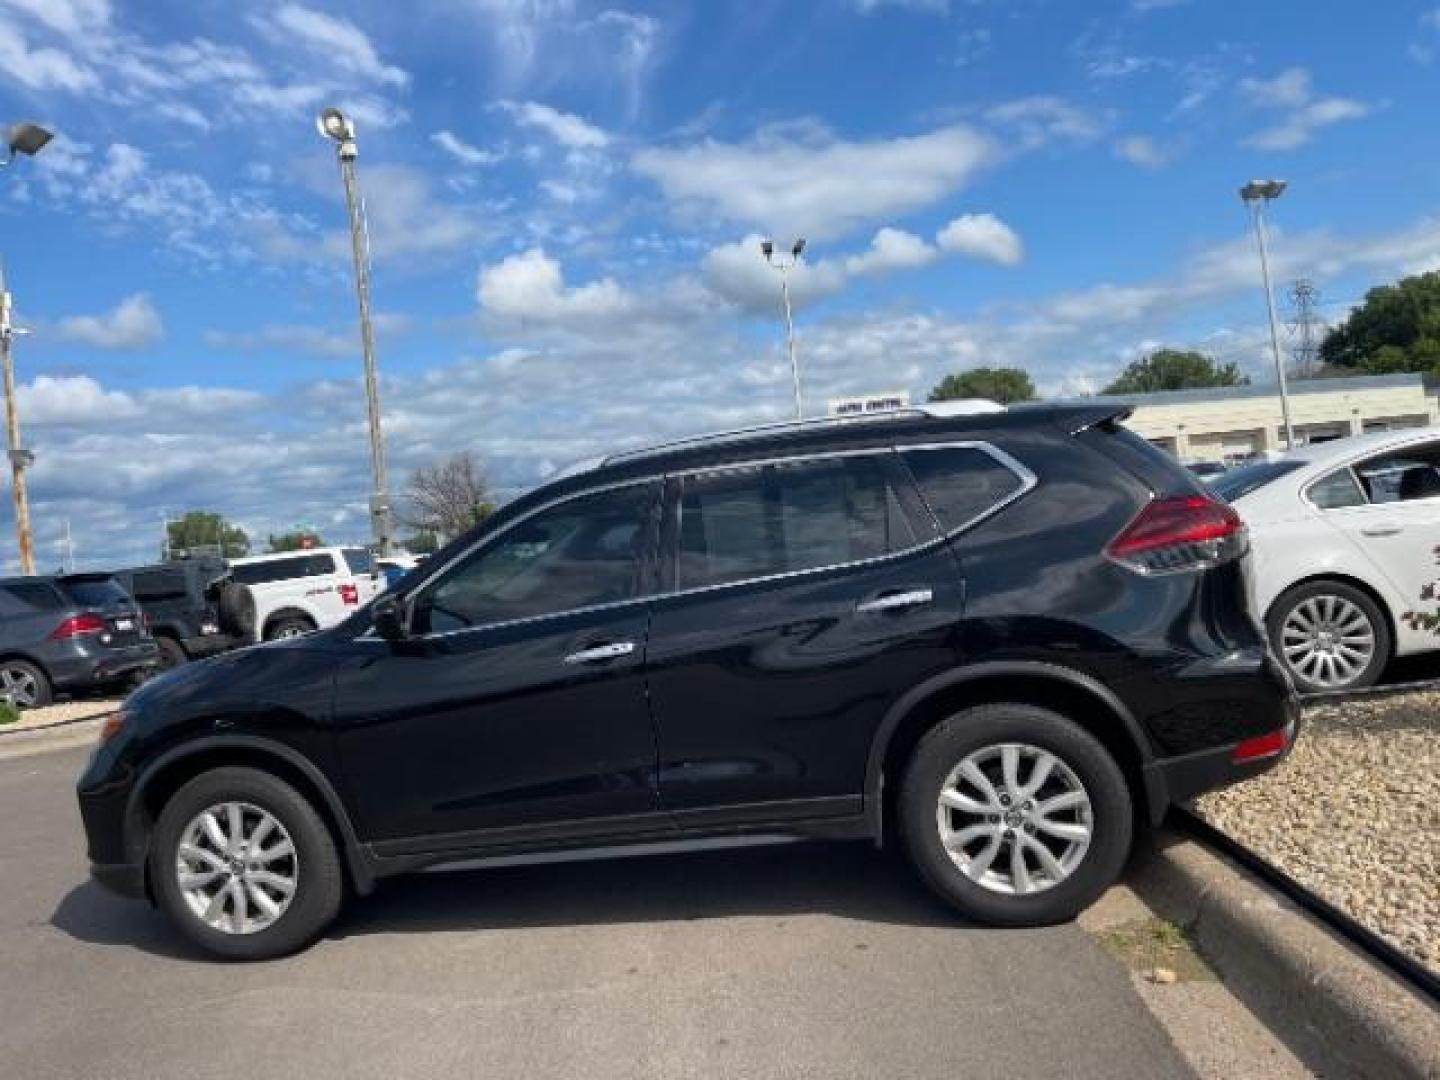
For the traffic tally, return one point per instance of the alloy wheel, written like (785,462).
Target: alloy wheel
(236,867)
(19,686)
(1014,818)
(1328,640)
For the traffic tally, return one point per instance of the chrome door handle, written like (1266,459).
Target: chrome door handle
(611,651)
(1380,530)
(895,601)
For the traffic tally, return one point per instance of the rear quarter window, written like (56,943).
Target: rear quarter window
(34,594)
(961,484)
(94,592)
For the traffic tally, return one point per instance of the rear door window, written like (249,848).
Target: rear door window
(298,566)
(752,522)
(961,484)
(35,594)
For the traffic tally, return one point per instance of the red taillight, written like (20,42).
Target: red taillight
(1188,532)
(1262,746)
(349,594)
(77,625)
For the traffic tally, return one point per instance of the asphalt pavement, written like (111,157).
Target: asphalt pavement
(793,961)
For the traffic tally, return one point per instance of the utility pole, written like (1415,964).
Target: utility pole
(334,125)
(19,457)
(69,560)
(767,248)
(1305,326)
(1256,195)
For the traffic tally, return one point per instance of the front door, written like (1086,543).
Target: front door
(809,594)
(516,711)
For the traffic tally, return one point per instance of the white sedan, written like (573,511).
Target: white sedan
(1345,536)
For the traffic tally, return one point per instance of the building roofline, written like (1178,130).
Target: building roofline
(1297,388)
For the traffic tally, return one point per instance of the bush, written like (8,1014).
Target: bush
(9,714)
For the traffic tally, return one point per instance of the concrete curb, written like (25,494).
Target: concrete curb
(62,735)
(28,729)
(1334,1006)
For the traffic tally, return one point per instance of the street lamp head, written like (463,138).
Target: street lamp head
(1262,189)
(798,248)
(25,138)
(767,248)
(333,124)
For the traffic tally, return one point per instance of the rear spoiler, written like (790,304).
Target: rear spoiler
(1082,417)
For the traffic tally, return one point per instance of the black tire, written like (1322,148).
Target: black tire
(288,626)
(1293,598)
(236,608)
(319,878)
(19,673)
(942,750)
(172,655)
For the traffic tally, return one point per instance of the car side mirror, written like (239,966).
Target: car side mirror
(388,615)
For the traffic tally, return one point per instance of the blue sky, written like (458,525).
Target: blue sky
(565,199)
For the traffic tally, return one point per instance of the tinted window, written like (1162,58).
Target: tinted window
(960,483)
(35,594)
(94,592)
(583,552)
(152,586)
(1247,478)
(298,566)
(1401,477)
(1337,490)
(773,519)
(359,561)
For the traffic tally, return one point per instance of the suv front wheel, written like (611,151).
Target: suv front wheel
(1015,815)
(244,865)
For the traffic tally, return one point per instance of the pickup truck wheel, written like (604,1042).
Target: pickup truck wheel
(24,684)
(288,627)
(244,865)
(1015,815)
(171,654)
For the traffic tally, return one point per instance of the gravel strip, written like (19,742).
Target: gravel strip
(1354,815)
(65,712)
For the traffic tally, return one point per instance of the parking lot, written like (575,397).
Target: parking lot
(783,961)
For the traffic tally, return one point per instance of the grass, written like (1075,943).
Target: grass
(1148,944)
(9,714)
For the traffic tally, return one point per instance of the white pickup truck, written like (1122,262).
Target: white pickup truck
(297,592)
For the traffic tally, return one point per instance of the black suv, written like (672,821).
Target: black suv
(180,600)
(1001,638)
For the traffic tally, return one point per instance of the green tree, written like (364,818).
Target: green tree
(1175,369)
(295,540)
(422,543)
(204,532)
(1395,329)
(1002,384)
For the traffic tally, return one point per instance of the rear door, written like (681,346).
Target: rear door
(808,594)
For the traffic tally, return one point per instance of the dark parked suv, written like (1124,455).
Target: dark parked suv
(1001,639)
(71,632)
(180,599)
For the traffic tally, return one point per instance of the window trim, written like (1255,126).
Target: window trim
(663,536)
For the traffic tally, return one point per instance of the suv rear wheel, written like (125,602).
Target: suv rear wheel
(25,685)
(244,866)
(1015,815)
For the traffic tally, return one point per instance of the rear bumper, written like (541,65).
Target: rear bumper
(100,667)
(1174,780)
(209,644)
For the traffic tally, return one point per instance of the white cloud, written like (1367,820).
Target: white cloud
(67,17)
(339,41)
(565,128)
(983,236)
(1291,92)
(42,68)
(304,338)
(1044,118)
(807,182)
(530,286)
(132,324)
(1144,7)
(462,151)
(868,7)
(890,250)
(1142,150)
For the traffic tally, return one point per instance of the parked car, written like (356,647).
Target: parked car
(67,633)
(299,592)
(1206,470)
(1345,536)
(180,600)
(999,639)
(394,567)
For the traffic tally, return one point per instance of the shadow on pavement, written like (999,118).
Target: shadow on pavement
(847,880)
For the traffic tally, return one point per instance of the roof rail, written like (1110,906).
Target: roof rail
(937,410)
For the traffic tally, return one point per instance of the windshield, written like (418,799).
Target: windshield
(94,592)
(1240,482)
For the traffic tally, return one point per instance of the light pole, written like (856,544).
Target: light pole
(334,125)
(1256,194)
(28,139)
(767,248)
